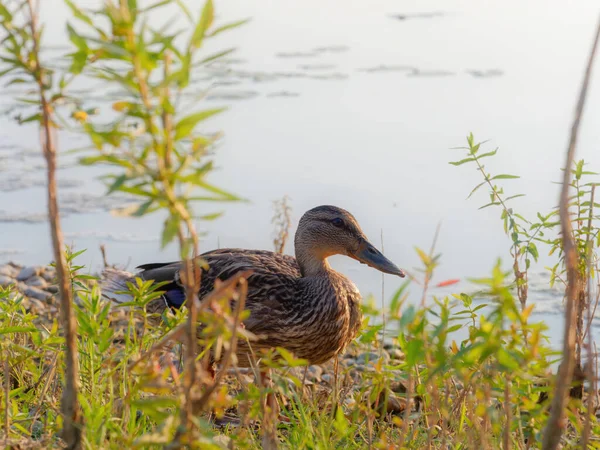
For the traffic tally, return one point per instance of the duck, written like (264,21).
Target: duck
(298,303)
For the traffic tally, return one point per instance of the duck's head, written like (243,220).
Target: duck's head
(328,230)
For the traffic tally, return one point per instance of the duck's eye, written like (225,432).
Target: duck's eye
(337,222)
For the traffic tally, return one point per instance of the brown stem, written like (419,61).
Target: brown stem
(508,417)
(6,399)
(71,432)
(590,368)
(556,422)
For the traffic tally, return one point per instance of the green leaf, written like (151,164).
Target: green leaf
(225,195)
(117,183)
(78,62)
(485,155)
(398,297)
(76,39)
(186,125)
(475,188)
(156,5)
(425,259)
(206,20)
(143,208)
(228,26)
(16,81)
(185,10)
(17,329)
(514,196)
(5,13)
(78,13)
(170,230)
(212,216)
(504,177)
(533,251)
(489,204)
(462,161)
(215,56)
(33,118)
(506,359)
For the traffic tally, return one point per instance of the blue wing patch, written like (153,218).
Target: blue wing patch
(175,298)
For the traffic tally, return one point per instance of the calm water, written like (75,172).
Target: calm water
(339,103)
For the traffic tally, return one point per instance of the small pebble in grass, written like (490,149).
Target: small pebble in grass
(36,281)
(372,357)
(327,378)
(28,272)
(223,441)
(349,362)
(36,293)
(314,373)
(5,280)
(9,271)
(396,354)
(52,289)
(34,305)
(49,275)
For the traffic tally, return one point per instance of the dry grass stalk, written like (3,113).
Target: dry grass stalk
(72,427)
(590,375)
(556,422)
(282,220)
(6,400)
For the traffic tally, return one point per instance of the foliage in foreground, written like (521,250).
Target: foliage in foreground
(477,392)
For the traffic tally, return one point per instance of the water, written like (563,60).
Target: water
(343,103)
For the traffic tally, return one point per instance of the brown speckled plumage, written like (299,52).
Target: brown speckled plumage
(300,303)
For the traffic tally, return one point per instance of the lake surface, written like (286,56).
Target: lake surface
(355,104)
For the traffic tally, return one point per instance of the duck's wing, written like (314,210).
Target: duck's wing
(271,285)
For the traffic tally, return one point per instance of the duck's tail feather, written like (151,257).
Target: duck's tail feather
(112,282)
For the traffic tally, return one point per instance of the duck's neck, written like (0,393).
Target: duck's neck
(311,260)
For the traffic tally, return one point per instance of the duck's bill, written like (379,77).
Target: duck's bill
(369,255)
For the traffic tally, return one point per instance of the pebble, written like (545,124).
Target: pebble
(349,362)
(49,275)
(36,293)
(223,441)
(327,378)
(28,272)
(34,305)
(314,373)
(371,357)
(5,280)
(396,353)
(36,281)
(9,271)
(52,289)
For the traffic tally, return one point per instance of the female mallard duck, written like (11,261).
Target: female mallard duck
(300,304)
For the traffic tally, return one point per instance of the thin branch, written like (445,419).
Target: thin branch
(590,368)
(73,423)
(556,422)
(6,399)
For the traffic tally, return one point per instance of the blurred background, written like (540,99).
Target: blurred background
(356,104)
